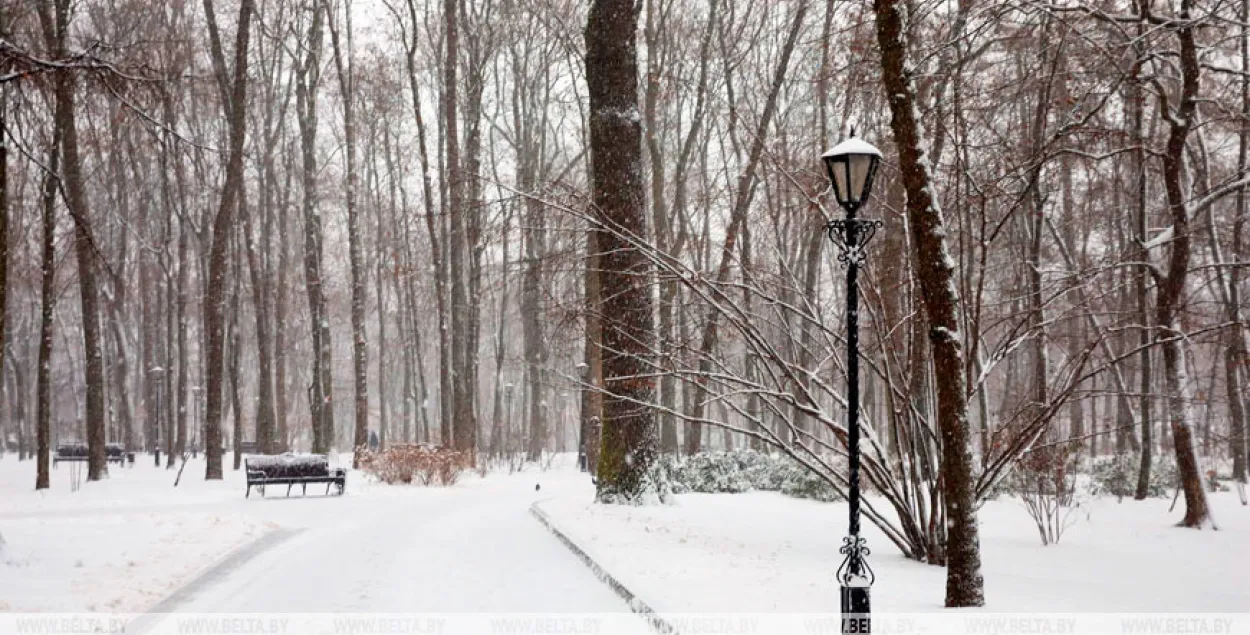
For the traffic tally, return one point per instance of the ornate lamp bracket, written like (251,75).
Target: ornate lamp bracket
(854,570)
(851,235)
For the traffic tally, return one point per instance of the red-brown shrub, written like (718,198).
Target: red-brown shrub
(408,463)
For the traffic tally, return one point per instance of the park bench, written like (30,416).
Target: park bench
(291,470)
(116,453)
(78,452)
(69,453)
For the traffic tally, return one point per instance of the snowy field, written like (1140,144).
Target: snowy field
(763,552)
(134,543)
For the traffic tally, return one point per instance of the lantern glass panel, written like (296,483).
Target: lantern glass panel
(838,172)
(859,166)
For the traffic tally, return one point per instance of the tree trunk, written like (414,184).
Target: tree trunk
(4,245)
(43,374)
(1235,356)
(223,224)
(1172,285)
(935,271)
(360,351)
(463,428)
(320,391)
(629,440)
(1140,282)
(261,298)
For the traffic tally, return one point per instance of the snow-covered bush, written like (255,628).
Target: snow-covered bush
(419,463)
(715,473)
(1117,476)
(744,471)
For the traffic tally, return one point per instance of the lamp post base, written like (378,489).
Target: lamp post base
(856,614)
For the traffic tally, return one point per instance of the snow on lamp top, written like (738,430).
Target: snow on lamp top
(852,165)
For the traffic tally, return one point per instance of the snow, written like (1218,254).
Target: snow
(133,543)
(113,546)
(1163,238)
(762,552)
(853,145)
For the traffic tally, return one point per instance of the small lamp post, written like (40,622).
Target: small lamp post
(851,166)
(583,370)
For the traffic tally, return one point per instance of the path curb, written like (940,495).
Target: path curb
(635,603)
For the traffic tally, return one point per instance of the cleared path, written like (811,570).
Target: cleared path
(473,548)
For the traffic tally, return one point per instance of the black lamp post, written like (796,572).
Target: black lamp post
(852,165)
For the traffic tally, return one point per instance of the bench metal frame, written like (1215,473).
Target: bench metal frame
(120,460)
(258,479)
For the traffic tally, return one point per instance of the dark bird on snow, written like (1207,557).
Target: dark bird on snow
(537,486)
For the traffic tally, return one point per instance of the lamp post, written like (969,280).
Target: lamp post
(851,166)
(584,371)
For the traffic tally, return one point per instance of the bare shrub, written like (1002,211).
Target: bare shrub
(1043,479)
(422,464)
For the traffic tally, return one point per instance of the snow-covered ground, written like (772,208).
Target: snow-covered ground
(762,552)
(118,545)
(460,559)
(132,544)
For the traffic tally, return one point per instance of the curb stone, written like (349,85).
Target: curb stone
(636,604)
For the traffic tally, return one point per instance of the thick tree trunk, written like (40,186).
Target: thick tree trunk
(629,428)
(935,272)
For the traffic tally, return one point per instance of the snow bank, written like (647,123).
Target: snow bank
(763,552)
(119,562)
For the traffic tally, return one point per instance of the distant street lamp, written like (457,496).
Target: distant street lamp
(584,370)
(851,166)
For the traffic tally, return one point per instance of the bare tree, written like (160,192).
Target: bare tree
(344,64)
(935,271)
(234,102)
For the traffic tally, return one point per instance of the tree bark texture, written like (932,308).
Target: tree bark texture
(936,276)
(629,443)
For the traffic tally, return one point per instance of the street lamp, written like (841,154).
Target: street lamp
(851,166)
(584,370)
